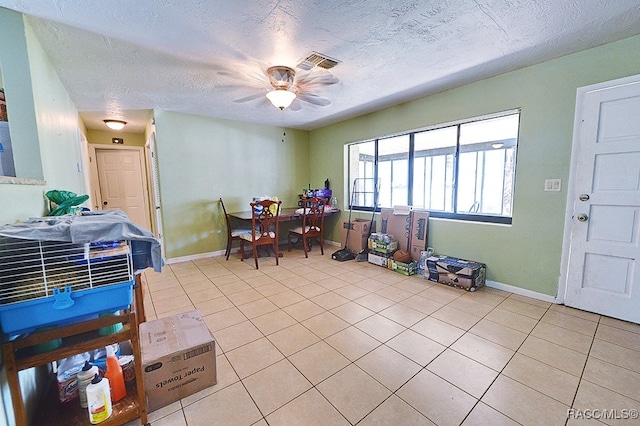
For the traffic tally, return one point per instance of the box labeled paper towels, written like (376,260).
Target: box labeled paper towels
(178,358)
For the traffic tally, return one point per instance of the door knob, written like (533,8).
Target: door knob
(583,197)
(104,203)
(582,217)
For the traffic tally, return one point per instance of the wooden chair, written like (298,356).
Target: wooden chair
(312,224)
(264,228)
(233,234)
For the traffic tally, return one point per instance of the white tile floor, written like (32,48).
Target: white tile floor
(319,342)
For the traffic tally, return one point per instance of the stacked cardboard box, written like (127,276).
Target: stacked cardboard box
(382,243)
(379,259)
(403,268)
(408,226)
(358,234)
(381,248)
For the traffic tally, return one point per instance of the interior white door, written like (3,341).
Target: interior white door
(604,254)
(123,183)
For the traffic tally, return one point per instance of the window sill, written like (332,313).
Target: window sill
(21,181)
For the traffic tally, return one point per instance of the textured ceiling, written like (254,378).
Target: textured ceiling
(122,58)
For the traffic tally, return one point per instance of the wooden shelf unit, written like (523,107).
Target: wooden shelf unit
(76,338)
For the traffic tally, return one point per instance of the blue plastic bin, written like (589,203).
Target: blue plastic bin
(64,307)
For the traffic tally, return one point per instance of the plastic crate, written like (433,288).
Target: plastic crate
(64,307)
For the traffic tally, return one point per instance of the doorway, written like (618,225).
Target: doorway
(122,181)
(601,252)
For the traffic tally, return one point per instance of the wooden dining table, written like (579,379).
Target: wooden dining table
(287,214)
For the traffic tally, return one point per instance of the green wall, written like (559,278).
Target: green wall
(201,159)
(16,75)
(44,125)
(103,137)
(526,254)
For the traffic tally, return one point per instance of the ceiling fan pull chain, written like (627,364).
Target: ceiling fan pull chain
(284,134)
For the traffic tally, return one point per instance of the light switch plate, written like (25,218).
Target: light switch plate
(553,185)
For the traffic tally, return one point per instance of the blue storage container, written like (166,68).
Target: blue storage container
(64,307)
(49,283)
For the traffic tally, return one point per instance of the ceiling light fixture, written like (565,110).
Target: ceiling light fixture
(281,98)
(115,124)
(281,78)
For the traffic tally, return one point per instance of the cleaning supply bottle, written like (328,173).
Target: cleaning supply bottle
(85,376)
(98,400)
(114,374)
(422,264)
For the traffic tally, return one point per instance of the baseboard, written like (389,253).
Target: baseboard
(195,257)
(522,291)
(221,253)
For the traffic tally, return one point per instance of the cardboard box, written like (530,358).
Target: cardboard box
(357,234)
(452,271)
(403,268)
(418,236)
(178,358)
(383,247)
(397,222)
(378,259)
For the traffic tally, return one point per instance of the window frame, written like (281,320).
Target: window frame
(457,150)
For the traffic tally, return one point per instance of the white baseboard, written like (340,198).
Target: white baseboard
(195,257)
(221,253)
(522,291)
(488,283)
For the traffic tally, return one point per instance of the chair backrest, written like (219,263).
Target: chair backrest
(313,214)
(226,216)
(264,220)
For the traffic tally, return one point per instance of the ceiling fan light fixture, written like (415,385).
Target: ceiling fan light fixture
(115,124)
(281,98)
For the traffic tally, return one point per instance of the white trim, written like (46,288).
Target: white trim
(488,283)
(195,257)
(220,253)
(522,292)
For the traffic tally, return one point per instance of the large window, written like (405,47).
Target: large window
(464,170)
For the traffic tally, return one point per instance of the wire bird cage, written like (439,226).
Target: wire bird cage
(53,281)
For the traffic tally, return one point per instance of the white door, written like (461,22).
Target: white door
(123,183)
(603,224)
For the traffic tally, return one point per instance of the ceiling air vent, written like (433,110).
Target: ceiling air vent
(319,60)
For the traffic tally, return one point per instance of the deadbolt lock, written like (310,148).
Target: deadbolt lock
(584,197)
(582,217)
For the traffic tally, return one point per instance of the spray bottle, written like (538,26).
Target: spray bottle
(114,374)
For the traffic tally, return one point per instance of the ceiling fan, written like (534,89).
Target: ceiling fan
(284,85)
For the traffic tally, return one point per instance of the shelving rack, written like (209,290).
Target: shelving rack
(76,338)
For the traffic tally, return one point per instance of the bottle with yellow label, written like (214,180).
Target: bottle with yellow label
(98,400)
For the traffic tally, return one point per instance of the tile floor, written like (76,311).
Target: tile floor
(319,342)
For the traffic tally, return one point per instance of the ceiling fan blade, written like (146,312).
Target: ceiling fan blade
(249,98)
(317,79)
(296,105)
(314,99)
